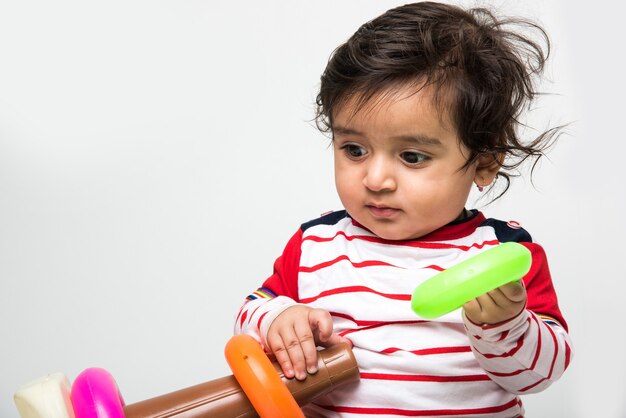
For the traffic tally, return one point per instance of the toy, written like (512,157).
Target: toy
(46,397)
(450,289)
(94,393)
(253,370)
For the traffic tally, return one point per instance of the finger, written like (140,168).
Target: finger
(307,344)
(336,339)
(346,340)
(294,349)
(322,323)
(487,301)
(473,306)
(473,311)
(515,292)
(486,306)
(510,299)
(499,298)
(275,342)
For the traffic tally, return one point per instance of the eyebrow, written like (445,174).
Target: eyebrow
(416,139)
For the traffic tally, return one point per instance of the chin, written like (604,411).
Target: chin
(399,233)
(387,230)
(402,237)
(393,235)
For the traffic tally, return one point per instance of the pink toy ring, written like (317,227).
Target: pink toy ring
(96,395)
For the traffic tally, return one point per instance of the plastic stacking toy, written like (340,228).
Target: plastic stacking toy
(253,370)
(94,393)
(450,289)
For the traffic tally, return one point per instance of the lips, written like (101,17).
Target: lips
(381,211)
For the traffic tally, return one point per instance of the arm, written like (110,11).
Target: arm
(289,330)
(279,292)
(529,351)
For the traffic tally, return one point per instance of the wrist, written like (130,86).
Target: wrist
(279,305)
(489,325)
(497,331)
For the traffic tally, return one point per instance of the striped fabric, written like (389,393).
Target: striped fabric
(410,366)
(261,292)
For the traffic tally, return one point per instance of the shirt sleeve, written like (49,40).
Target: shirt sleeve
(278,292)
(526,354)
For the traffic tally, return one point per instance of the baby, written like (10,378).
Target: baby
(422,103)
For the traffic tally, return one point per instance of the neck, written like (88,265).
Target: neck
(463,215)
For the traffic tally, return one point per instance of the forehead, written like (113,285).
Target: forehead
(396,111)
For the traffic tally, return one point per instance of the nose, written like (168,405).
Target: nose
(380,175)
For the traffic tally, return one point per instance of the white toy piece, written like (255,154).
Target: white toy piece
(46,397)
(95,394)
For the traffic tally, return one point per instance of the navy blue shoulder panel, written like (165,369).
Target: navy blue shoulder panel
(328,219)
(508,231)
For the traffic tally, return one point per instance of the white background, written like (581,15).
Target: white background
(155,156)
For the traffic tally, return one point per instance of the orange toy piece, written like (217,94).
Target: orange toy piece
(258,379)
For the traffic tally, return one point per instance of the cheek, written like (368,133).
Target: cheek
(344,173)
(340,179)
(443,191)
(346,183)
(343,185)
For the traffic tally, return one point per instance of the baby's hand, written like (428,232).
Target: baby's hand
(498,305)
(294,336)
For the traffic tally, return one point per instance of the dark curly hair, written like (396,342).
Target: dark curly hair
(483,74)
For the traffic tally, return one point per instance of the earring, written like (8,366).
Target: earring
(480,188)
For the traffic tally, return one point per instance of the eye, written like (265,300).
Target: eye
(412,157)
(354,151)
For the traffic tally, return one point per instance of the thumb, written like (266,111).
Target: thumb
(336,339)
(321,323)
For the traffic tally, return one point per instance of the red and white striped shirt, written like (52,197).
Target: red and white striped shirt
(447,367)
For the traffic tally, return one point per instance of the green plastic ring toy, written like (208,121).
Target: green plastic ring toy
(450,289)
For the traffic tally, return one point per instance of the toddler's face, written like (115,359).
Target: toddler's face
(399,166)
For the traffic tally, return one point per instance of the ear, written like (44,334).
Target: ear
(487,168)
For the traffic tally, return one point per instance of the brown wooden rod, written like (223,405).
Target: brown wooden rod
(224,398)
